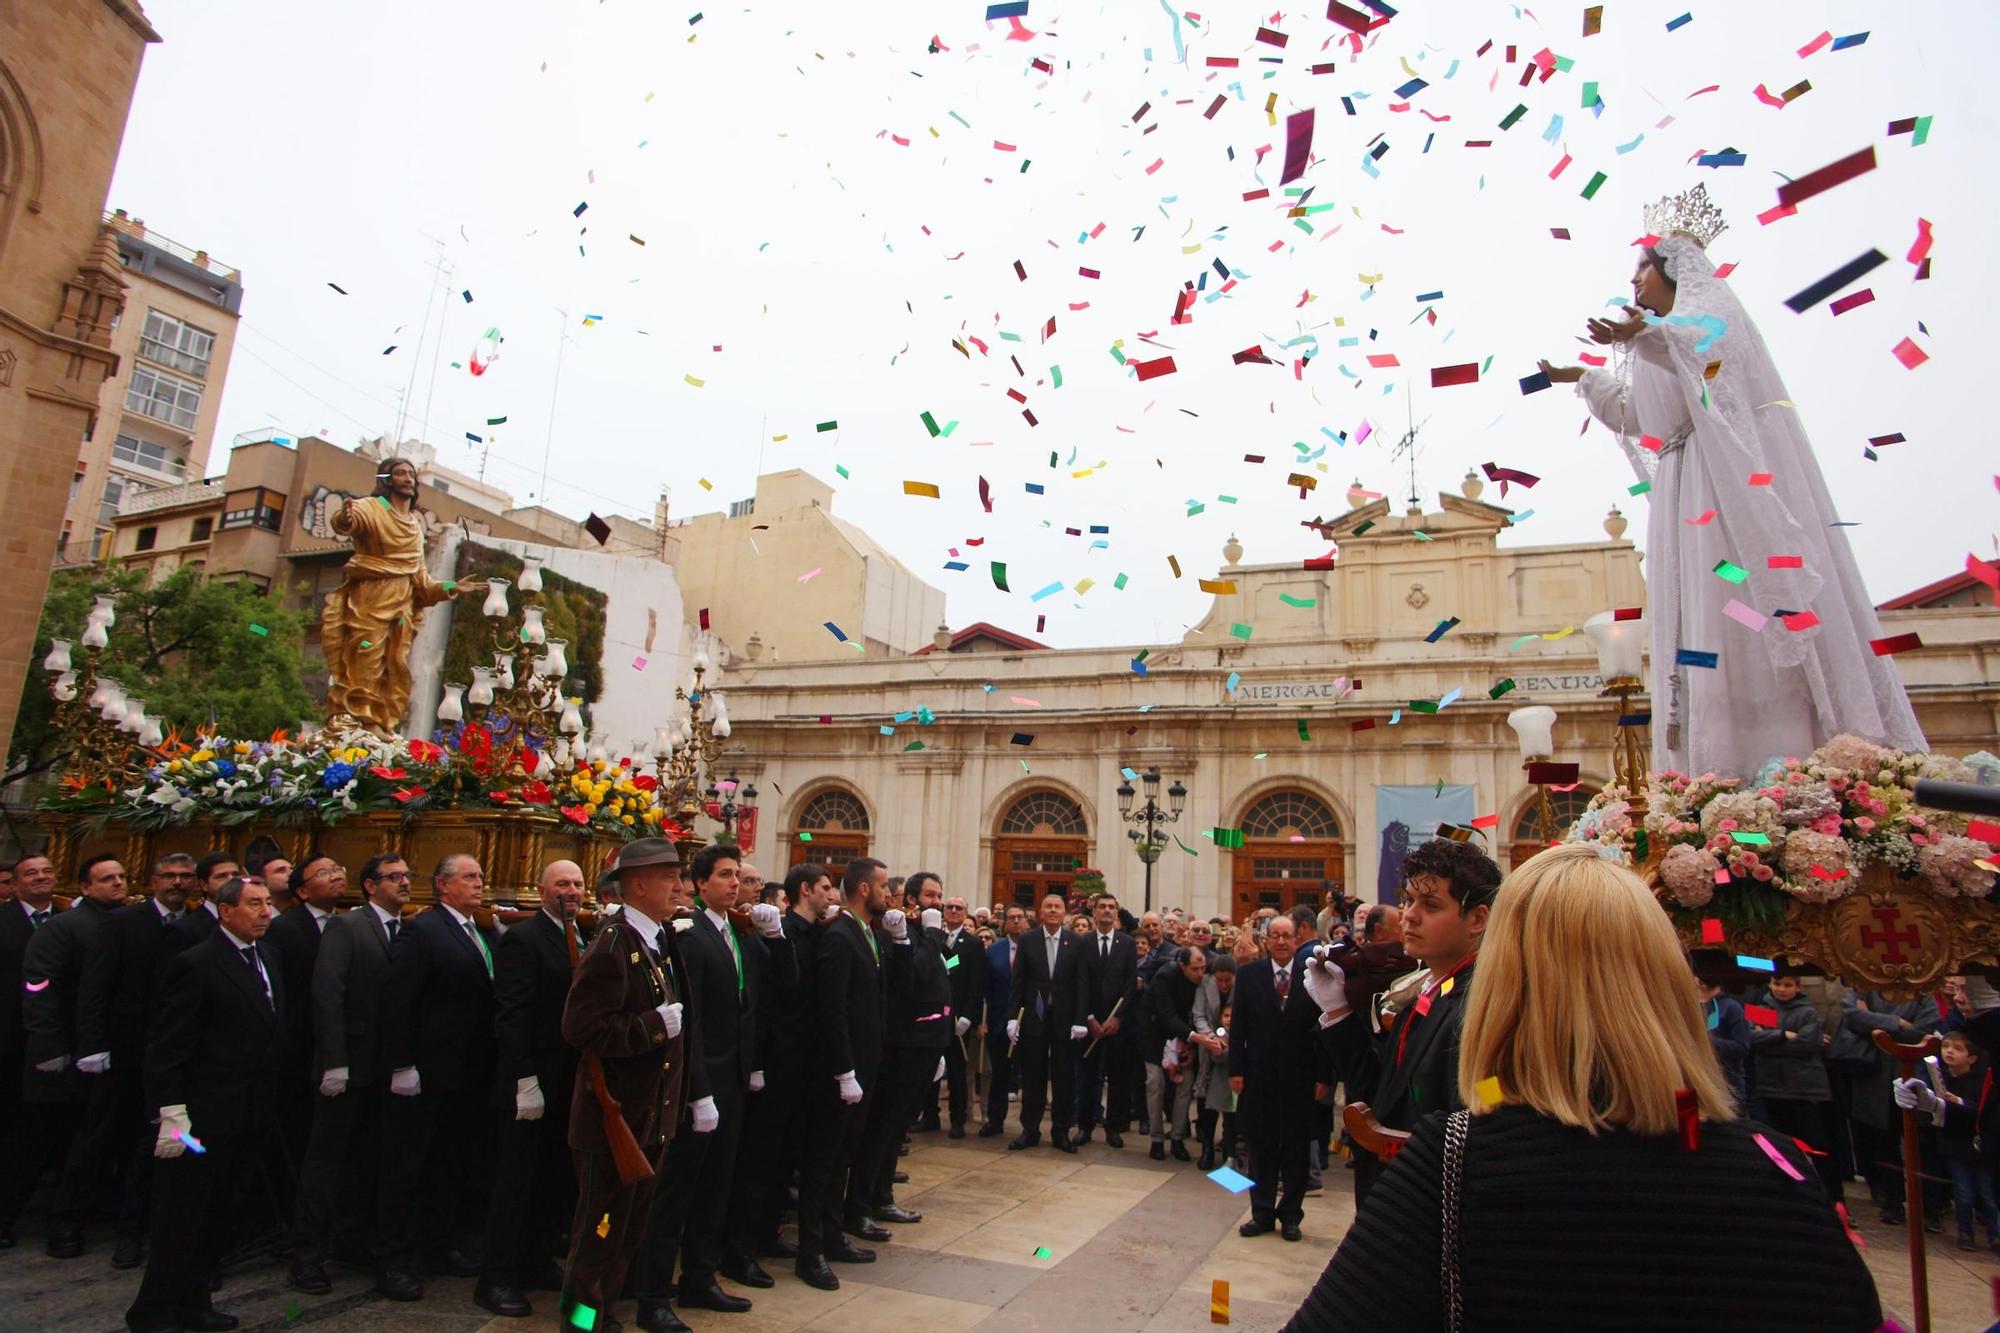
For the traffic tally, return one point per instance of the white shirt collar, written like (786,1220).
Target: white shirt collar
(318,913)
(649,929)
(209,904)
(166,913)
(1105,934)
(553,917)
(384,917)
(234,943)
(29,911)
(456,915)
(721,921)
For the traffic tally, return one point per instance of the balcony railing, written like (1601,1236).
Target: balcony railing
(199,258)
(166,497)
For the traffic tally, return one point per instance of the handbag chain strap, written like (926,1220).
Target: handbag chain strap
(1455,1129)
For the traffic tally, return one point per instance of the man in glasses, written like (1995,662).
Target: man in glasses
(318,884)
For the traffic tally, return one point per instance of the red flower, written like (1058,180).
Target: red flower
(387,774)
(537,793)
(408,794)
(424,752)
(500,797)
(530,759)
(646,782)
(576,814)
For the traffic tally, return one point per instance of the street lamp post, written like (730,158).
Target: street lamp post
(1149,836)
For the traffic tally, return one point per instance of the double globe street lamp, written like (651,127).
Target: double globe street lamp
(1149,836)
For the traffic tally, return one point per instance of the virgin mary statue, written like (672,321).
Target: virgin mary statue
(1744,567)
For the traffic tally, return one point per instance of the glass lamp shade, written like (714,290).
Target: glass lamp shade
(451,708)
(663,743)
(105,613)
(721,728)
(747,798)
(1620,645)
(107,689)
(701,661)
(58,659)
(531,626)
(562,752)
(135,717)
(597,753)
(152,732)
(1535,727)
(727,786)
(496,598)
(531,576)
(482,686)
(1177,794)
(1126,792)
(114,709)
(558,659)
(571,723)
(64,688)
(503,670)
(94,635)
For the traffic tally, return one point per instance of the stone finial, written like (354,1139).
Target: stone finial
(1357,494)
(1232,551)
(1614,524)
(754,649)
(1473,485)
(942,639)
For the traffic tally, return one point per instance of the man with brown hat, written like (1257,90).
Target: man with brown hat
(624,1016)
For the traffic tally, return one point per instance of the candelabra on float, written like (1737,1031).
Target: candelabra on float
(106,738)
(1620,640)
(685,750)
(1535,727)
(524,710)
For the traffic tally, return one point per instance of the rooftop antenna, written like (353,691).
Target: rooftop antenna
(1408,446)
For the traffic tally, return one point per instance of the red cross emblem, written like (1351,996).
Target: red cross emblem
(1889,939)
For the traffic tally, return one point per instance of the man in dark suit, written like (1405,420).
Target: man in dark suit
(35,1140)
(337,1183)
(1045,997)
(917,1026)
(211,1070)
(113,1020)
(1278,1070)
(725,967)
(778,1129)
(625,1014)
(210,874)
(317,888)
(965,961)
(438,1044)
(534,1183)
(855,960)
(1448,892)
(1108,989)
(52,989)
(1001,959)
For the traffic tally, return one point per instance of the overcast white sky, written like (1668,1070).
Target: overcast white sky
(833,267)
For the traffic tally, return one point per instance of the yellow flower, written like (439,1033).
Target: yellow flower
(618,807)
(173,766)
(590,807)
(625,819)
(652,815)
(201,756)
(243,747)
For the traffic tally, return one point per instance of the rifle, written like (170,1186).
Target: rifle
(626,1154)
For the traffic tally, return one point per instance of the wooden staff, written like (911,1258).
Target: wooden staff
(626,1154)
(1100,1027)
(1908,1057)
(1019,1014)
(1370,1133)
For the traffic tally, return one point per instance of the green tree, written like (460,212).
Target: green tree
(200,652)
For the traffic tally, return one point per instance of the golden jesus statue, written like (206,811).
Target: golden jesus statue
(371,619)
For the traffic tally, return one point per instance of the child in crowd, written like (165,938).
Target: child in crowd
(1790,1077)
(1971,1114)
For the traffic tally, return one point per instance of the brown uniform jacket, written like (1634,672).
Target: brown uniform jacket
(613,1013)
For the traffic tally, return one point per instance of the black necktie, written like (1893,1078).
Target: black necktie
(392,925)
(40,918)
(249,952)
(1104,947)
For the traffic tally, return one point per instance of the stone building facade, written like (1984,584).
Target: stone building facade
(67,72)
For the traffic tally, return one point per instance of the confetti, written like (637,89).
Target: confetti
(923,488)
(1695,658)
(1900,643)
(1443,377)
(1731,573)
(1847,273)
(1909,354)
(1793,193)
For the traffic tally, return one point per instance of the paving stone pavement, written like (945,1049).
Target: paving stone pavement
(1133,1247)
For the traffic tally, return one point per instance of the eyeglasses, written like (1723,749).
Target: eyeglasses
(395,876)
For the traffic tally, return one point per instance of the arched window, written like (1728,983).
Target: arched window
(1045,814)
(1288,814)
(1567,805)
(834,809)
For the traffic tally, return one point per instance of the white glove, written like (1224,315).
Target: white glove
(962,1026)
(1913,1094)
(940,1070)
(173,1124)
(1327,985)
(756,1080)
(706,1117)
(406,1083)
(670,1014)
(850,1088)
(1013,1031)
(94,1064)
(528,1100)
(1078,1032)
(931,919)
(333,1082)
(896,924)
(55,1066)
(765,917)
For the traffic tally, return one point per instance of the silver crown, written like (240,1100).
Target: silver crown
(1690,212)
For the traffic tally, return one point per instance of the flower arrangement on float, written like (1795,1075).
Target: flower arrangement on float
(331,778)
(1803,829)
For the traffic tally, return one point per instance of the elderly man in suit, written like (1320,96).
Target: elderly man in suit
(337,1183)
(1001,1076)
(625,1016)
(114,1015)
(965,960)
(1278,1071)
(318,885)
(534,1183)
(211,1072)
(438,1044)
(1045,997)
(34,1140)
(52,988)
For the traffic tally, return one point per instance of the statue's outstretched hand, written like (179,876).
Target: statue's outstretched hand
(1605,332)
(1561,374)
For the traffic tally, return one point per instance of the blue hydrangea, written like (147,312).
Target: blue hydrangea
(223,768)
(336,776)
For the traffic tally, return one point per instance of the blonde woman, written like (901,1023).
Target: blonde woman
(1572,1198)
